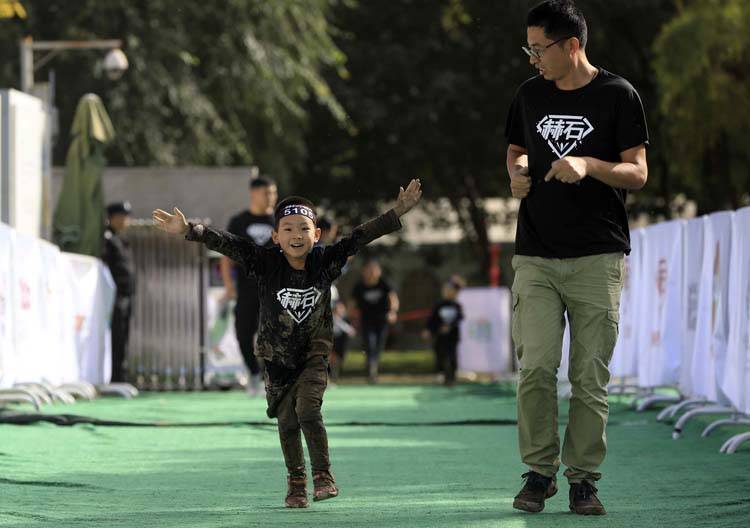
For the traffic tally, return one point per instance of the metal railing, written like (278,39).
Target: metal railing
(167,332)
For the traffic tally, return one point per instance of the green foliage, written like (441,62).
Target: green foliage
(429,87)
(702,59)
(210,83)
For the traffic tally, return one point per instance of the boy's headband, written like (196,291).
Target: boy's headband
(296,210)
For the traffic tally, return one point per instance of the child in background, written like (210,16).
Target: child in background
(443,329)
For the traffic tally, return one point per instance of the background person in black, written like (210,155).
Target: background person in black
(443,328)
(377,306)
(256,224)
(118,256)
(576,143)
(296,323)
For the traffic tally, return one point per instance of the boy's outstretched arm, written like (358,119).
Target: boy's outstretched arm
(386,223)
(239,249)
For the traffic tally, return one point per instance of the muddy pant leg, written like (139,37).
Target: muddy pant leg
(290,435)
(310,388)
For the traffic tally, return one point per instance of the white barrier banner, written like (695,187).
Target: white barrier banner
(6,306)
(625,356)
(485,330)
(660,332)
(736,375)
(95,293)
(564,388)
(58,318)
(709,352)
(692,257)
(30,342)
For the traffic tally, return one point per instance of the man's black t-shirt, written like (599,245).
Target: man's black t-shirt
(373,302)
(599,120)
(257,228)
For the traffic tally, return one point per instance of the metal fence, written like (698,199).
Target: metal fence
(168,332)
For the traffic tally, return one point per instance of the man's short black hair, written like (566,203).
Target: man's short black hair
(324,223)
(559,19)
(261,182)
(292,200)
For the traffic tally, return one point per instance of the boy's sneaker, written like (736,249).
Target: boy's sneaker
(325,486)
(296,495)
(536,489)
(583,499)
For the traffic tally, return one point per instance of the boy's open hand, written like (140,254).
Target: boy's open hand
(408,198)
(174,224)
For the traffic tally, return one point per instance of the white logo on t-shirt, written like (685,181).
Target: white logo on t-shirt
(298,303)
(563,133)
(373,296)
(448,314)
(260,233)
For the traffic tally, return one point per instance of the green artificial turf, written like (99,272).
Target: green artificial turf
(215,461)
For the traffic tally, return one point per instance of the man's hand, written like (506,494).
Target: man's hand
(520,183)
(174,224)
(568,170)
(408,198)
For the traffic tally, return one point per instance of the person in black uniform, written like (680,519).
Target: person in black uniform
(296,321)
(256,223)
(376,303)
(118,256)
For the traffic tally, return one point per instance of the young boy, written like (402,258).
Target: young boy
(296,325)
(443,328)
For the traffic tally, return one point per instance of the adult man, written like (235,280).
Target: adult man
(255,223)
(576,143)
(119,258)
(377,305)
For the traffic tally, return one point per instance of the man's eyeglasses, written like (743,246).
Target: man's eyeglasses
(538,52)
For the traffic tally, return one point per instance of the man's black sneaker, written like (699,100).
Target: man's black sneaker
(583,499)
(536,489)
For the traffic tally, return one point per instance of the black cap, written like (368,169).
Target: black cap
(118,208)
(261,181)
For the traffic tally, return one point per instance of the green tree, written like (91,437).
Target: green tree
(427,91)
(210,83)
(702,60)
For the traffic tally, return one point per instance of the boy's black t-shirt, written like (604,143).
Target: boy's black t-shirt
(257,228)
(599,120)
(445,321)
(373,302)
(296,321)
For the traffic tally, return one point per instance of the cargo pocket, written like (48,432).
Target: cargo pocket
(612,329)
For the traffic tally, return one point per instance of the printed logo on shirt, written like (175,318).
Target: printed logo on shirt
(373,296)
(448,314)
(260,233)
(298,303)
(563,133)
